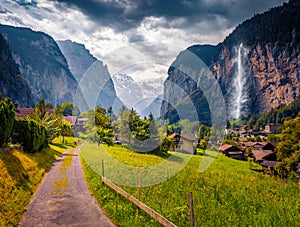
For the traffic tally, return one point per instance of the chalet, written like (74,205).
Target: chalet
(254,145)
(186,143)
(262,155)
(270,146)
(268,166)
(231,151)
(273,128)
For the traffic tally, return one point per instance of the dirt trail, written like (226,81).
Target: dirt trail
(63,198)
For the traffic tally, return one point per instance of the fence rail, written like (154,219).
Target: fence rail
(158,217)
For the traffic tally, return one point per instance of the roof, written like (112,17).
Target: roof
(226,147)
(252,144)
(235,152)
(266,163)
(189,137)
(275,124)
(71,119)
(24,112)
(261,154)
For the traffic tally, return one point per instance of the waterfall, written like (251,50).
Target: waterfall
(239,95)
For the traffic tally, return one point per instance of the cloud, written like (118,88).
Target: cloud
(107,26)
(122,15)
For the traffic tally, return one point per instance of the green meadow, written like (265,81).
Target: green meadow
(228,193)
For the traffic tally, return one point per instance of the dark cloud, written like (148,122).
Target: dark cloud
(124,15)
(135,38)
(26,3)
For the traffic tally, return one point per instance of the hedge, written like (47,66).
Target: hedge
(31,134)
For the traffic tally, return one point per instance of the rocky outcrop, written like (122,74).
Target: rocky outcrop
(12,83)
(42,64)
(272,74)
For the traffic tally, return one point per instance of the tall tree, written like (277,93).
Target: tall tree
(7,118)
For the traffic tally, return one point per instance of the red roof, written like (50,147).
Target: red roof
(225,147)
(71,119)
(24,112)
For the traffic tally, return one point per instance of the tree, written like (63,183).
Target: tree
(31,134)
(105,135)
(7,118)
(288,150)
(123,126)
(66,129)
(50,121)
(69,109)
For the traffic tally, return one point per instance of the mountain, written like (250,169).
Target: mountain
(140,95)
(42,64)
(256,67)
(92,75)
(12,83)
(78,57)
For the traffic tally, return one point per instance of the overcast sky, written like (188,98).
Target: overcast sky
(153,31)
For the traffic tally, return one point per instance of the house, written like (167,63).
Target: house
(262,155)
(77,123)
(270,146)
(231,151)
(254,145)
(268,166)
(273,128)
(186,143)
(24,112)
(78,127)
(71,119)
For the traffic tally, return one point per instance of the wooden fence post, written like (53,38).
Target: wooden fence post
(102,168)
(191,209)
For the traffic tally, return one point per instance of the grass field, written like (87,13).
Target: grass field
(227,194)
(20,175)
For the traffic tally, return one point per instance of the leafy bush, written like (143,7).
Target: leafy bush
(7,116)
(31,135)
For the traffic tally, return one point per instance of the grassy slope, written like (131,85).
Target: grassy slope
(20,175)
(228,194)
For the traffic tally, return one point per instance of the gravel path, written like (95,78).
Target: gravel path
(63,198)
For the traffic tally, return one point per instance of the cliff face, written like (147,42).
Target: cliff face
(78,57)
(257,67)
(42,64)
(12,83)
(272,75)
(92,75)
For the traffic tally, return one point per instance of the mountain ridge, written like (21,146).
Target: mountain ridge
(270,69)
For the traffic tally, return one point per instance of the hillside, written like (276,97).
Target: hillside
(256,67)
(222,195)
(42,64)
(12,83)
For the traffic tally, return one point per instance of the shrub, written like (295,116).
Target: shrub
(7,118)
(31,135)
